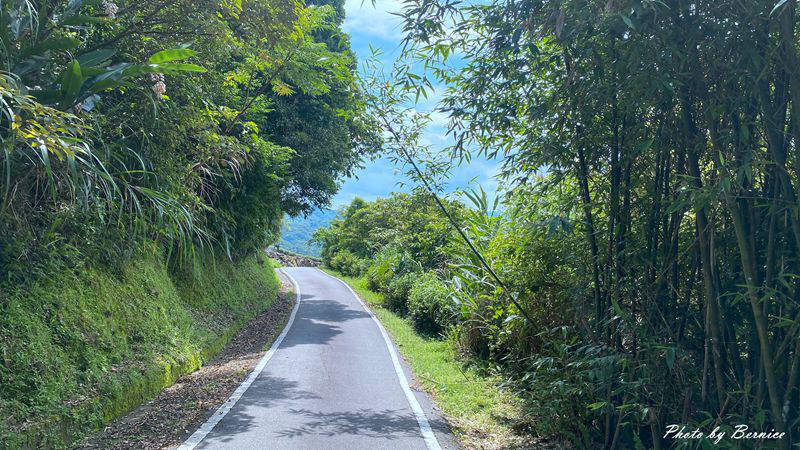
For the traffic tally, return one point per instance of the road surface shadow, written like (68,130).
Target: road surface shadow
(386,424)
(315,323)
(266,391)
(315,308)
(276,407)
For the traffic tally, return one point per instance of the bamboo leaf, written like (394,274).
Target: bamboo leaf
(597,405)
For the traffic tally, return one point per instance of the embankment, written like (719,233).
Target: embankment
(82,347)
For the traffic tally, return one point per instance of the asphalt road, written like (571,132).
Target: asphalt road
(330,384)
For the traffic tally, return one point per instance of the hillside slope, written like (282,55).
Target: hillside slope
(88,345)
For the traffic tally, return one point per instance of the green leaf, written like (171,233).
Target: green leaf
(45,157)
(628,21)
(617,309)
(71,84)
(105,84)
(175,54)
(670,357)
(179,67)
(134,70)
(96,57)
(80,19)
(647,144)
(46,96)
(29,65)
(53,43)
(89,72)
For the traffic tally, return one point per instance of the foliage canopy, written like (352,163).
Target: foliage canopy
(195,124)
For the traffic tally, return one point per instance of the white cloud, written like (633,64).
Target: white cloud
(439,119)
(480,173)
(362,18)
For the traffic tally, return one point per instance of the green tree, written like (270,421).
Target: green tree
(107,124)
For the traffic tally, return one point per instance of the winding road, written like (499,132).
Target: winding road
(332,380)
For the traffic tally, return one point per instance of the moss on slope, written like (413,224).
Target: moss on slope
(83,347)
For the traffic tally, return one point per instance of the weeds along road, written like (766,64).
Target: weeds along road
(334,381)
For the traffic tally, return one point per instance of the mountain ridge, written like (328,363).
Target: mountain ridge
(297,232)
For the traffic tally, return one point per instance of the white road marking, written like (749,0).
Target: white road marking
(201,433)
(424,426)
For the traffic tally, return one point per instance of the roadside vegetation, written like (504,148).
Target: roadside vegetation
(174,413)
(84,347)
(642,268)
(150,151)
(645,253)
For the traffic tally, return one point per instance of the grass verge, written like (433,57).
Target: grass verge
(175,413)
(85,346)
(481,413)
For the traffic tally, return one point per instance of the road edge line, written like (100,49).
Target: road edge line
(197,437)
(424,425)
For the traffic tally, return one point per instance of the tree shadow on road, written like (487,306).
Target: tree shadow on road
(265,391)
(386,424)
(315,323)
(318,321)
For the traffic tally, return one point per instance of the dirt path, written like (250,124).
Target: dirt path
(169,418)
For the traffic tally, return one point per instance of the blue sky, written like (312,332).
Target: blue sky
(374,25)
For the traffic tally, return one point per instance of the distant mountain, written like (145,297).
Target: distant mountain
(298,231)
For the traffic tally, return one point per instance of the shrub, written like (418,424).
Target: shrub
(429,304)
(373,281)
(383,270)
(362,266)
(390,263)
(396,294)
(347,263)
